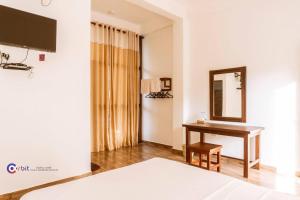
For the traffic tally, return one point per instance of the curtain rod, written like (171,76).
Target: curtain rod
(114,28)
(119,30)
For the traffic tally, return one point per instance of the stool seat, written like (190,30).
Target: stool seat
(205,147)
(208,150)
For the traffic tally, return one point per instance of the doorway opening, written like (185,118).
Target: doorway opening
(158,42)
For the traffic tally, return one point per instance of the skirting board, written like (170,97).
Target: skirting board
(157,144)
(178,152)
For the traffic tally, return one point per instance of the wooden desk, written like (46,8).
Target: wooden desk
(245,132)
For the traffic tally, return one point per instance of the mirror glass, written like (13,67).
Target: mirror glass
(227,95)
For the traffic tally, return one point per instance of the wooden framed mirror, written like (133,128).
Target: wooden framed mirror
(228,94)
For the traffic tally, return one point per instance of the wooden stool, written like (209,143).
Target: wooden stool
(208,150)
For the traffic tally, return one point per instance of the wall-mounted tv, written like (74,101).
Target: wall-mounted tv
(27,30)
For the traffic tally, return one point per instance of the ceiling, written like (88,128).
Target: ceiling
(127,11)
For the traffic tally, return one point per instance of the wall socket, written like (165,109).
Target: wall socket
(42,57)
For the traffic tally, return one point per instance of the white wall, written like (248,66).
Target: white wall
(263,35)
(175,11)
(45,121)
(158,63)
(154,25)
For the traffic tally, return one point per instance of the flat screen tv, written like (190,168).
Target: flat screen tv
(27,30)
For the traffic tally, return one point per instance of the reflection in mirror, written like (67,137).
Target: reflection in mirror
(227,95)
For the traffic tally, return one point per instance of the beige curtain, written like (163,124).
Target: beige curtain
(115,87)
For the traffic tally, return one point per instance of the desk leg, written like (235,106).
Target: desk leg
(257,151)
(187,143)
(202,137)
(246,156)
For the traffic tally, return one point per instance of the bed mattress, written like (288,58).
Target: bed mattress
(157,179)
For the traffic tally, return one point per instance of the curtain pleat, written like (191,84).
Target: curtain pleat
(115,88)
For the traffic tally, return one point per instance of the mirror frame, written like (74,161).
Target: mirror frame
(243,72)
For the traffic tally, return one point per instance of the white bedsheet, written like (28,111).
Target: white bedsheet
(157,179)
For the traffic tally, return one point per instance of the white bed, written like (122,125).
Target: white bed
(157,179)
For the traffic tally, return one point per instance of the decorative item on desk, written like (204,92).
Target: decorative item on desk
(202,118)
(201,121)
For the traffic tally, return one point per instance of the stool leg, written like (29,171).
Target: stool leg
(219,161)
(200,160)
(208,161)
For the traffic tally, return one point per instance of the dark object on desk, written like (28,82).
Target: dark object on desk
(245,132)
